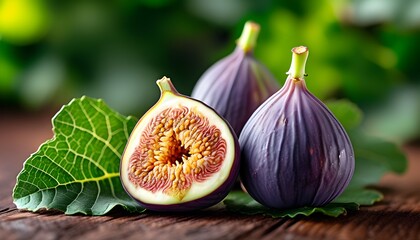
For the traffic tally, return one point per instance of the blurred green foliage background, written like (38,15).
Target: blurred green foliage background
(364,50)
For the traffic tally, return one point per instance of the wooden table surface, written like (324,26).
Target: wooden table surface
(396,217)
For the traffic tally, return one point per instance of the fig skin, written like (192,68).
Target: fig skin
(294,152)
(237,84)
(216,193)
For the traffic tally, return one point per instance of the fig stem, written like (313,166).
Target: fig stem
(165,85)
(248,38)
(297,67)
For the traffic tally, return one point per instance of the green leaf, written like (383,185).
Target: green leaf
(360,196)
(374,158)
(78,170)
(397,118)
(347,113)
(243,203)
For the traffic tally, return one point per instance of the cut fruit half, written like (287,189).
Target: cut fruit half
(180,156)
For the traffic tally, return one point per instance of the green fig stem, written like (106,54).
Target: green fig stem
(299,57)
(248,38)
(165,85)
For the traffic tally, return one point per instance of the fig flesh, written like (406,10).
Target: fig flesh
(237,84)
(294,152)
(180,156)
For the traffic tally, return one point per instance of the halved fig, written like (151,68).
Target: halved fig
(180,156)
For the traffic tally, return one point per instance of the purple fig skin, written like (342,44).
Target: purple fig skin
(235,86)
(294,152)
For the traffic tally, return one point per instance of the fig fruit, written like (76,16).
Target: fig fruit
(294,152)
(180,156)
(237,84)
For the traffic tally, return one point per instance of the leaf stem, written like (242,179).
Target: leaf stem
(299,57)
(248,38)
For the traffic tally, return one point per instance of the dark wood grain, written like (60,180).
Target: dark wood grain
(396,217)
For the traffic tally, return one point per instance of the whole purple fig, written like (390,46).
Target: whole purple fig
(237,84)
(294,151)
